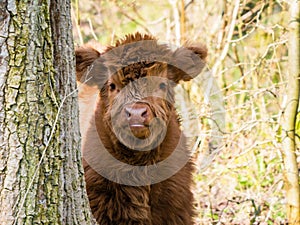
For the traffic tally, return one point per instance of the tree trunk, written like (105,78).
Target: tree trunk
(291,174)
(41,176)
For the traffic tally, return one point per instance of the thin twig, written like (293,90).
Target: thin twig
(229,37)
(131,18)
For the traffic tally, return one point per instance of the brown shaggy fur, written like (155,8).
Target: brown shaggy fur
(128,64)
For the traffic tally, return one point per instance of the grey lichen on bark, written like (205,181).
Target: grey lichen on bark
(41,177)
(64,54)
(4,58)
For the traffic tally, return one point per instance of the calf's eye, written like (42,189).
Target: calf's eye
(112,86)
(163,86)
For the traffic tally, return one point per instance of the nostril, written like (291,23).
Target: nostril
(127,113)
(144,113)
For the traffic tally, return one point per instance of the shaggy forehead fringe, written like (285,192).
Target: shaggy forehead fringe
(135,53)
(134,38)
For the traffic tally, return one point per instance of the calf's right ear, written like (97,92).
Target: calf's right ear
(90,67)
(85,56)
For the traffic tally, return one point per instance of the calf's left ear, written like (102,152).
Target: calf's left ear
(187,62)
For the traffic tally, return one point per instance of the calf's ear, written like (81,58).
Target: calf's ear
(90,68)
(187,62)
(85,56)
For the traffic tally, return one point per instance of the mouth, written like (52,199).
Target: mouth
(141,135)
(138,125)
(139,130)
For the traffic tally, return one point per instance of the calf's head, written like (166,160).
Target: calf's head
(136,80)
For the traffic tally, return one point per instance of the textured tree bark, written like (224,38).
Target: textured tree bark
(291,174)
(41,176)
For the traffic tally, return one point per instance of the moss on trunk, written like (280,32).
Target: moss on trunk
(41,174)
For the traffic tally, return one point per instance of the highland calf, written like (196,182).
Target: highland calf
(137,166)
